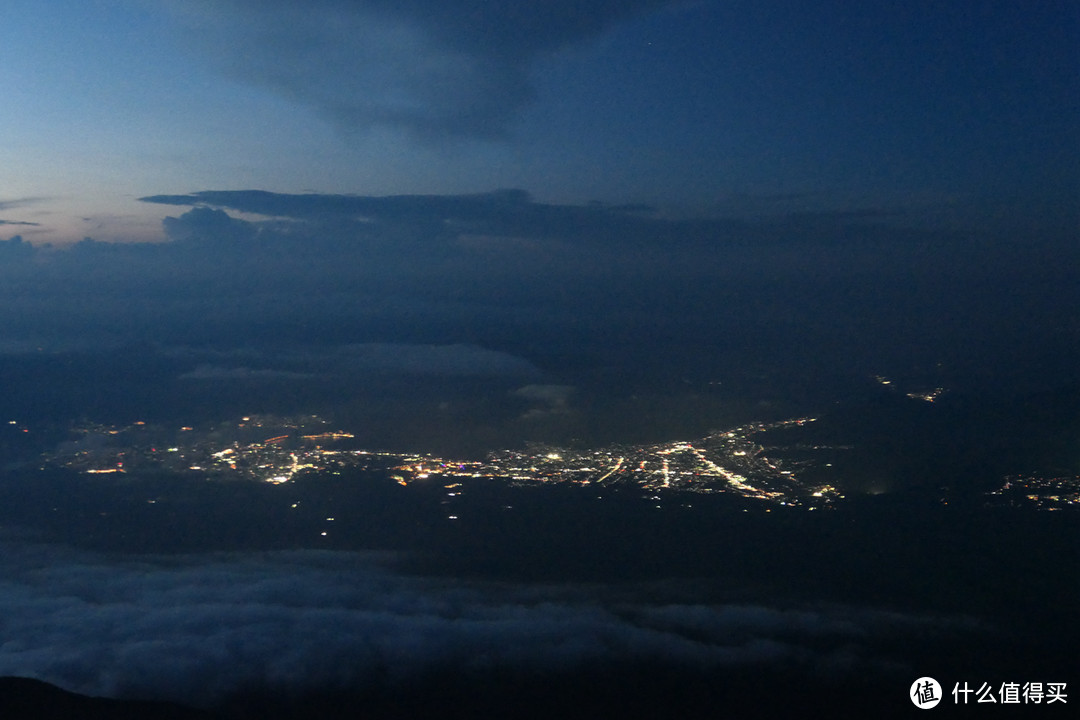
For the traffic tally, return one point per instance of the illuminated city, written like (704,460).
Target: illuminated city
(276,450)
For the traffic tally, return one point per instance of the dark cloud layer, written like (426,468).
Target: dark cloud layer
(314,205)
(619,303)
(513,213)
(503,212)
(196,629)
(434,69)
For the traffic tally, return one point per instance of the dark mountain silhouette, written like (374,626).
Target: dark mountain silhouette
(30,699)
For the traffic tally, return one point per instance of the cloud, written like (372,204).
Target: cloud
(551,395)
(204,224)
(196,629)
(509,213)
(557,287)
(548,400)
(319,205)
(16,248)
(216,372)
(21,202)
(432,68)
(513,215)
(19,222)
(456,360)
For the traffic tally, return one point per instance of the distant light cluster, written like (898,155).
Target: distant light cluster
(276,450)
(1055,493)
(728,461)
(287,447)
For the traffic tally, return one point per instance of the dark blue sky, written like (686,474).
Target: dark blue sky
(959,112)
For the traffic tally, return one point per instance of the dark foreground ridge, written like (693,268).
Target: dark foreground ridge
(29,699)
(623,692)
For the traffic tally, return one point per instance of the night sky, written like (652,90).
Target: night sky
(461,226)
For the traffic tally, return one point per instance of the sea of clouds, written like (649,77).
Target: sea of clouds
(197,629)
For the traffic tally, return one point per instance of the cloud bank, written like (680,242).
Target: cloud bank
(196,629)
(614,301)
(506,213)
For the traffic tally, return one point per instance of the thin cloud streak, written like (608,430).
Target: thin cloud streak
(458,360)
(22,202)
